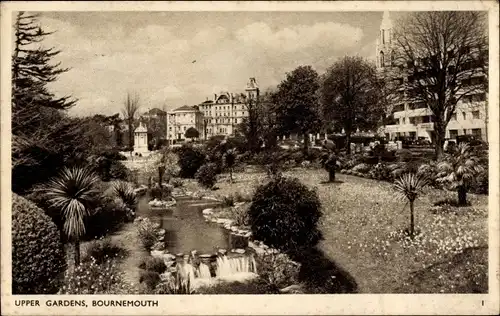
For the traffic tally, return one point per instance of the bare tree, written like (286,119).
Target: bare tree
(440,52)
(129,111)
(351,95)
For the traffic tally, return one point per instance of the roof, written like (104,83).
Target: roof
(185,108)
(156,111)
(141,129)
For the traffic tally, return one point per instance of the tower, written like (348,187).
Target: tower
(385,52)
(141,139)
(252,89)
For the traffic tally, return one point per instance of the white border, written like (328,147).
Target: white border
(263,304)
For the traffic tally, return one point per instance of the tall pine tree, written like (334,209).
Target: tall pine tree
(31,72)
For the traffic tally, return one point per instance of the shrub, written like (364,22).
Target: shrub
(380,172)
(240,216)
(277,269)
(190,160)
(103,249)
(228,201)
(207,175)
(284,214)
(403,155)
(150,279)
(125,192)
(177,183)
(153,264)
(107,217)
(37,250)
(160,193)
(362,168)
(92,278)
(118,171)
(147,232)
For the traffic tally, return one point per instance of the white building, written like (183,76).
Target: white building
(226,111)
(414,119)
(141,140)
(180,120)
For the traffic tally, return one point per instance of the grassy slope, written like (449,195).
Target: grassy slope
(359,216)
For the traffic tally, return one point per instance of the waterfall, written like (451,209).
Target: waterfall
(204,271)
(228,267)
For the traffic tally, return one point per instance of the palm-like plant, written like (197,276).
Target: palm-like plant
(459,168)
(73,192)
(124,191)
(229,161)
(409,186)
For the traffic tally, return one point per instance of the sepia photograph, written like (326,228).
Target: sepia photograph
(258,152)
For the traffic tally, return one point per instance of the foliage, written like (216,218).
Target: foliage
(351,95)
(277,269)
(147,231)
(284,214)
(459,169)
(73,193)
(192,133)
(174,285)
(207,175)
(410,186)
(125,192)
(442,52)
(240,215)
(118,171)
(177,183)
(106,217)
(92,278)
(161,192)
(362,167)
(37,250)
(381,172)
(229,160)
(296,103)
(190,160)
(150,278)
(102,250)
(153,264)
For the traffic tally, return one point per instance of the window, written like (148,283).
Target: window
(476,132)
(382,60)
(453,133)
(383,36)
(465,131)
(479,97)
(453,117)
(464,115)
(475,115)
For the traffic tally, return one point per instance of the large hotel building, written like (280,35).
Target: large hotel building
(219,116)
(414,119)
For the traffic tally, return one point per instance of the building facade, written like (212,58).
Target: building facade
(414,119)
(180,120)
(226,111)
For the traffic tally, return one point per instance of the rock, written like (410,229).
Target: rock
(242,232)
(207,211)
(161,232)
(168,257)
(248,235)
(158,246)
(265,247)
(161,238)
(292,289)
(240,251)
(222,251)
(157,253)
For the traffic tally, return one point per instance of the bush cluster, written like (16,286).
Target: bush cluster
(101,250)
(147,231)
(37,250)
(207,175)
(190,160)
(284,214)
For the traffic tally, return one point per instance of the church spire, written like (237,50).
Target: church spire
(386,21)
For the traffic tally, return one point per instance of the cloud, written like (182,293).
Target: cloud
(156,60)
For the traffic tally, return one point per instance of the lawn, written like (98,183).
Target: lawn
(360,223)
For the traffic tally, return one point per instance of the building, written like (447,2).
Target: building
(180,120)
(414,119)
(141,140)
(226,111)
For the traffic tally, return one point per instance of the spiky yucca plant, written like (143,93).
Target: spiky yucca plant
(409,186)
(73,192)
(459,168)
(125,192)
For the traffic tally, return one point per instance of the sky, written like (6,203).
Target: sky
(170,59)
